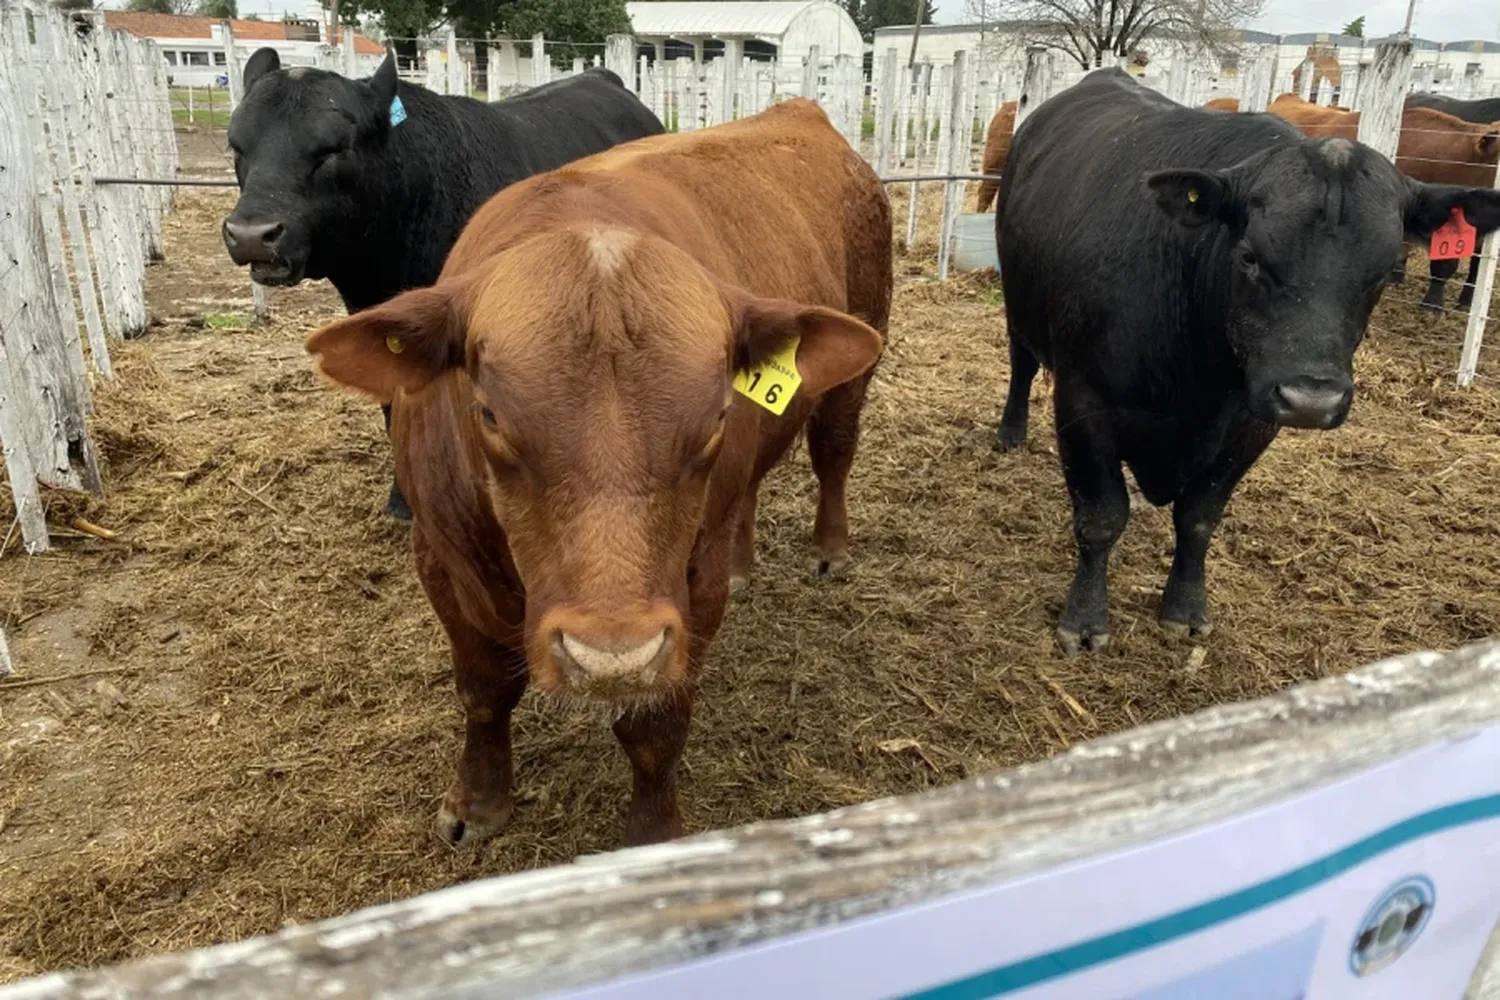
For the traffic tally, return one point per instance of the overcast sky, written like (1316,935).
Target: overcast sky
(1439,20)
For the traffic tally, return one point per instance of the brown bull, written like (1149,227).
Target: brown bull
(581,472)
(996,146)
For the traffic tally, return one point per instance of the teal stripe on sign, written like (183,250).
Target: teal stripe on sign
(1109,947)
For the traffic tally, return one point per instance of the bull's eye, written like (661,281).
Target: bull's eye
(1245,258)
(488,416)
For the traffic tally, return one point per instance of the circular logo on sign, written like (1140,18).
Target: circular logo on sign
(1392,925)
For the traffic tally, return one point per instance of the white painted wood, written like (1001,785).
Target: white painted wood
(958,125)
(844,111)
(687,95)
(1255,94)
(348,60)
(491,70)
(910,83)
(729,84)
(1305,81)
(1325,92)
(632,912)
(541,67)
(258,302)
(1349,88)
(1479,312)
(1036,86)
(455,65)
(811,65)
(232,68)
(619,58)
(919,123)
(1386,87)
(437,75)
(885,111)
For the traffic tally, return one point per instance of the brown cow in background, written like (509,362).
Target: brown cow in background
(996,146)
(1434,147)
(582,474)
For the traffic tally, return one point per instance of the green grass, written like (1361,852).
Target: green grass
(226,321)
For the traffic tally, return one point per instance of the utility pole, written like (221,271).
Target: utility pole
(916,31)
(1411,8)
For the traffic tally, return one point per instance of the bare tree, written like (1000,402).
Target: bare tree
(1093,31)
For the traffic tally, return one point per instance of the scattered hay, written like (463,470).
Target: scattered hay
(288,723)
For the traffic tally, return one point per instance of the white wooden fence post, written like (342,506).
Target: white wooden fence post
(810,73)
(959,126)
(734,57)
(231,65)
(619,58)
(885,101)
(909,84)
(1479,310)
(1349,89)
(437,78)
(349,64)
(687,95)
(455,65)
(541,69)
(1037,85)
(1380,120)
(1255,94)
(1305,81)
(491,70)
(919,119)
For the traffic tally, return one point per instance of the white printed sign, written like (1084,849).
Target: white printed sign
(1383,885)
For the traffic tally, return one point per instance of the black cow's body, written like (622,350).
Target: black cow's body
(1481,112)
(1195,280)
(330,188)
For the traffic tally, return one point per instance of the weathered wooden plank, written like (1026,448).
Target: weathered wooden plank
(632,911)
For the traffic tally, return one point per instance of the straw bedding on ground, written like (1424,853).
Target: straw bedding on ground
(288,723)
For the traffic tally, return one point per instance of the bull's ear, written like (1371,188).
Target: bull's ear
(264,61)
(834,347)
(1428,206)
(1191,197)
(400,344)
(1485,145)
(383,83)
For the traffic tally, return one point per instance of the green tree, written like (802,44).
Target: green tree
(219,9)
(1355,28)
(161,6)
(585,21)
(872,14)
(73,4)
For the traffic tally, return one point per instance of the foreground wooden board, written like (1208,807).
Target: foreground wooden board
(632,911)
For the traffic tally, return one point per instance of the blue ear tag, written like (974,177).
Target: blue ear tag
(398,111)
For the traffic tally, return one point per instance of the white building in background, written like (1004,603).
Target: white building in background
(768,28)
(194,46)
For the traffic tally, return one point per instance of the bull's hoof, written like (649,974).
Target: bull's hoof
(1074,643)
(1187,630)
(460,826)
(396,506)
(1432,307)
(1010,438)
(829,567)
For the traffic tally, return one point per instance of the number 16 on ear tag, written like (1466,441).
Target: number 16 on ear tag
(773,380)
(1453,239)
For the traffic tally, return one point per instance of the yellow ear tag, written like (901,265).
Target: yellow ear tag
(1192,194)
(772,381)
(394,345)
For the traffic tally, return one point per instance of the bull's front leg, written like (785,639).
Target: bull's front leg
(1195,517)
(832,440)
(1101,508)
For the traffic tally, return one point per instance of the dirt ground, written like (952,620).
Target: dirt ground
(287,724)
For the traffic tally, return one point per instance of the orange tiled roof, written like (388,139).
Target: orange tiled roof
(186,26)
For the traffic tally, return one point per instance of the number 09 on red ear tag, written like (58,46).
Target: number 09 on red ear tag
(773,380)
(1453,239)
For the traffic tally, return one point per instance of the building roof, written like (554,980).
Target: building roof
(185,26)
(677,19)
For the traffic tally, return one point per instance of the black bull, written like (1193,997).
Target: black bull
(369,182)
(1196,281)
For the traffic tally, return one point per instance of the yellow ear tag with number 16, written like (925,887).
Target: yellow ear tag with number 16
(773,380)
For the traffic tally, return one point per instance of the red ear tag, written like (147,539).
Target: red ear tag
(1453,239)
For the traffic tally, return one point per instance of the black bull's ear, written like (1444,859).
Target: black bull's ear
(1428,206)
(1193,197)
(383,83)
(264,61)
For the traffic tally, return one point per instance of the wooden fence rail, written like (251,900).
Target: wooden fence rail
(631,912)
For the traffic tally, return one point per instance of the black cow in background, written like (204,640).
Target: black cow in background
(1480,112)
(1196,281)
(369,182)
